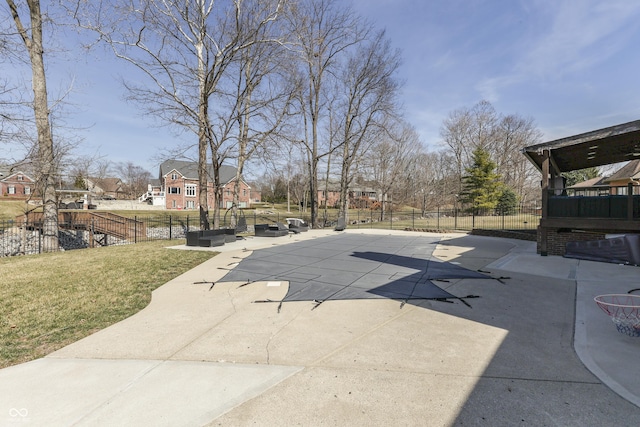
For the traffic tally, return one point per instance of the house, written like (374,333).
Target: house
(360,197)
(15,184)
(619,181)
(591,187)
(105,187)
(615,185)
(177,187)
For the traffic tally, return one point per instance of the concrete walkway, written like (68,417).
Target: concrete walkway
(199,356)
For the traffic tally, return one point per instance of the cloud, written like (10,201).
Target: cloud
(578,35)
(564,38)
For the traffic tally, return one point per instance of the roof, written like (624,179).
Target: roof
(7,172)
(190,170)
(107,184)
(629,171)
(600,147)
(591,183)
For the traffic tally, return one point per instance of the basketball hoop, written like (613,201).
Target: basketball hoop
(624,311)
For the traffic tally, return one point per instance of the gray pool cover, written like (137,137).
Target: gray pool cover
(353,266)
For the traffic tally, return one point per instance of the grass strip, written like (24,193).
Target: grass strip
(52,300)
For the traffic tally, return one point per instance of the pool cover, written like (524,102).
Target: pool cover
(353,266)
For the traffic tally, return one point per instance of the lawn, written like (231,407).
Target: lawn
(10,209)
(51,300)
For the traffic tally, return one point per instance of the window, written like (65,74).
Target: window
(174,190)
(621,191)
(174,176)
(173,204)
(190,190)
(244,191)
(27,190)
(20,178)
(191,204)
(12,189)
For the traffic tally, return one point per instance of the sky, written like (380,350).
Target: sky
(570,65)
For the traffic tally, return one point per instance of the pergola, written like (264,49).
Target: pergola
(581,218)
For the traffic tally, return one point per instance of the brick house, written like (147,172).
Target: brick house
(177,187)
(359,196)
(15,184)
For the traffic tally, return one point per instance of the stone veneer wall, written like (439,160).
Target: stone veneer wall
(557,238)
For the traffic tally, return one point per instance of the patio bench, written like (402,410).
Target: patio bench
(266,230)
(209,238)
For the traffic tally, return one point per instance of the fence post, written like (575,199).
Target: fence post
(455,218)
(135,229)
(171,226)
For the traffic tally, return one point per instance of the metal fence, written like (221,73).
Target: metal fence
(20,239)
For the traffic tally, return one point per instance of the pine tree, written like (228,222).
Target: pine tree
(481,185)
(574,177)
(507,202)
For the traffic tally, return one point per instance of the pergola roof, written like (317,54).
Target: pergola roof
(606,146)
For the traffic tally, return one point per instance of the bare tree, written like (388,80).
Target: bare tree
(323,31)
(455,132)
(503,137)
(370,90)
(184,48)
(135,178)
(259,106)
(513,133)
(390,159)
(45,163)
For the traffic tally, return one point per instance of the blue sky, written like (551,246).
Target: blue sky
(571,65)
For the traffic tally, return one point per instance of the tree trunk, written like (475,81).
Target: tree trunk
(45,162)
(203,128)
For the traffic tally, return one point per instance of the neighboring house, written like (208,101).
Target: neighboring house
(105,187)
(359,196)
(15,184)
(255,196)
(591,187)
(177,187)
(616,184)
(619,181)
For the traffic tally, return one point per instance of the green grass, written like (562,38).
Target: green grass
(51,300)
(10,209)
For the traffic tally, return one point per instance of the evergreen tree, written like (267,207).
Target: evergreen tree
(507,202)
(574,177)
(481,184)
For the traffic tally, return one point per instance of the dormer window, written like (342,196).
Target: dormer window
(174,176)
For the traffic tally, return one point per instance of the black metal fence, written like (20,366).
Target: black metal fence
(21,239)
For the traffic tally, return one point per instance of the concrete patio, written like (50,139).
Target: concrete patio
(533,349)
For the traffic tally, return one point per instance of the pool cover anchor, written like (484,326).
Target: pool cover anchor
(205,282)
(262,301)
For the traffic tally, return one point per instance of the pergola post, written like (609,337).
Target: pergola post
(546,166)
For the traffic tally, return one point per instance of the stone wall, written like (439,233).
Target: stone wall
(17,241)
(557,238)
(124,205)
